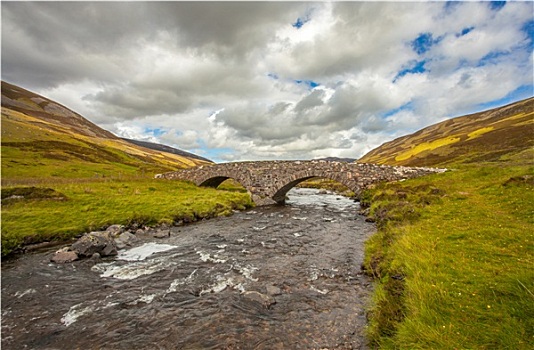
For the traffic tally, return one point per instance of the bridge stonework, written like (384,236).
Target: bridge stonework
(269,181)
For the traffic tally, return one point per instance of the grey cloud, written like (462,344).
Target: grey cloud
(130,103)
(348,107)
(230,27)
(314,99)
(263,126)
(45,44)
(65,42)
(171,90)
(375,124)
(169,65)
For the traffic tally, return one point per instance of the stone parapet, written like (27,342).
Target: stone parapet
(269,181)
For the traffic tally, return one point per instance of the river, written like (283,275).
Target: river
(277,277)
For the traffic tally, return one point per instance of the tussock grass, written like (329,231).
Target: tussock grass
(453,259)
(95,205)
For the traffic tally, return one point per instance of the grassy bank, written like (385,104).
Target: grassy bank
(327,184)
(59,211)
(453,260)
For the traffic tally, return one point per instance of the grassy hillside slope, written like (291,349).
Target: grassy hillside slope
(454,253)
(43,140)
(63,176)
(484,136)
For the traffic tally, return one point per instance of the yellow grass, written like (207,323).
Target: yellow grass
(426,146)
(479,132)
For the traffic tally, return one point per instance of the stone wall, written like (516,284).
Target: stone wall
(269,181)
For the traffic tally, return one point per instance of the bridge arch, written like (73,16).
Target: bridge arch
(279,196)
(214,180)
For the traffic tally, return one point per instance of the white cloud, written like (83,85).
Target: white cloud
(223,76)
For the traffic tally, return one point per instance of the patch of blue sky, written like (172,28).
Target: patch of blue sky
(451,5)
(217,155)
(214,154)
(417,68)
(465,31)
(301,21)
(273,76)
(155,132)
(405,107)
(424,42)
(496,5)
(493,57)
(310,83)
(528,28)
(521,93)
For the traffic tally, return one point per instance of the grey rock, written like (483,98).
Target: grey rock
(109,249)
(265,300)
(95,242)
(128,237)
(139,231)
(162,233)
(125,239)
(115,230)
(63,256)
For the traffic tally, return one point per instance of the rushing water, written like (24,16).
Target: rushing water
(279,277)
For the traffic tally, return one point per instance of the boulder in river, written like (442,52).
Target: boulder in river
(63,256)
(95,242)
(125,239)
(163,233)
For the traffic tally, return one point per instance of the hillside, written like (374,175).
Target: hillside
(167,149)
(452,257)
(493,135)
(42,139)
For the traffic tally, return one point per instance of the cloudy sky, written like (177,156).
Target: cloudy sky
(270,80)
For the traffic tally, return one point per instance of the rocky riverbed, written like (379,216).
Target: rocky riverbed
(279,277)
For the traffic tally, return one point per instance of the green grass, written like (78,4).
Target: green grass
(453,259)
(327,184)
(38,163)
(92,205)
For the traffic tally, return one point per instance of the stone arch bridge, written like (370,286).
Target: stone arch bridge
(269,181)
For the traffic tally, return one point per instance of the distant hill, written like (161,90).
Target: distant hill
(494,135)
(337,159)
(43,139)
(165,148)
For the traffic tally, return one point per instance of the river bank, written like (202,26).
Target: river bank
(61,211)
(452,260)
